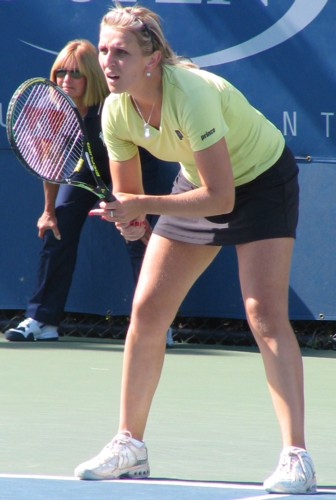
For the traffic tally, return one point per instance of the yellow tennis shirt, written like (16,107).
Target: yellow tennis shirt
(198,109)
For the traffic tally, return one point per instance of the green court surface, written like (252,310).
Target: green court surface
(211,419)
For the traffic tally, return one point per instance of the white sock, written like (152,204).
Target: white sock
(34,321)
(137,443)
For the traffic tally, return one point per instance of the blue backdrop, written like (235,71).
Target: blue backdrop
(280,53)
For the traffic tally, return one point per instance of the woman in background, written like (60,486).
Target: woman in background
(77,72)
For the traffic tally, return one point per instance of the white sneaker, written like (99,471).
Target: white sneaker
(169,338)
(121,458)
(295,473)
(30,330)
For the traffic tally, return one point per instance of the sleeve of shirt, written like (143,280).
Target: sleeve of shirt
(202,115)
(113,122)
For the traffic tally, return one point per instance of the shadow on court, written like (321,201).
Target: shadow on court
(211,434)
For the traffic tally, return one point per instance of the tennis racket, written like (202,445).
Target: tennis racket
(48,135)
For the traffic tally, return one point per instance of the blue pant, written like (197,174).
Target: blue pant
(58,257)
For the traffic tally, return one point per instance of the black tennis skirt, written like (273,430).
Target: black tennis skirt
(265,208)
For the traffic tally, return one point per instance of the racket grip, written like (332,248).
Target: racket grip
(79,165)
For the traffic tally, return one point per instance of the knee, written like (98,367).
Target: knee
(149,316)
(267,321)
(142,310)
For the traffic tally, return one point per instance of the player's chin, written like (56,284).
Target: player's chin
(113,86)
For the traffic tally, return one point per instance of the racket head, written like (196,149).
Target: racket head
(45,130)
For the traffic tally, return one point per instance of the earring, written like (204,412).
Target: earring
(148,74)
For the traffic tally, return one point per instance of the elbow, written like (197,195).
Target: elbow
(231,202)
(231,196)
(226,203)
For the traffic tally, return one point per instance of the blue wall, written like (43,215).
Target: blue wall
(280,53)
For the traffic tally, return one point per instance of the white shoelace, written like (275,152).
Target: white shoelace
(288,461)
(117,444)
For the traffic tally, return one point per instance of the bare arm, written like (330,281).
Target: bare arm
(215,196)
(48,219)
(127,176)
(50,195)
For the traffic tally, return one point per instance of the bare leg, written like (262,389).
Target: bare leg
(264,275)
(169,270)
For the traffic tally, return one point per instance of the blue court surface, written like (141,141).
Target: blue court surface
(58,488)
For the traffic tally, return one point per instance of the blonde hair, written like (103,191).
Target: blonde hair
(83,55)
(145,25)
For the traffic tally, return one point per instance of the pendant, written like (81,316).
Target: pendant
(146,131)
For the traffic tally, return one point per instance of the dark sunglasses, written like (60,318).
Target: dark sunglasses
(75,73)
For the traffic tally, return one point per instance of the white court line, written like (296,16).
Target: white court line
(175,482)
(266,497)
(166,482)
(29,476)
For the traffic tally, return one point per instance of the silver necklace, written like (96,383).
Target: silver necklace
(145,123)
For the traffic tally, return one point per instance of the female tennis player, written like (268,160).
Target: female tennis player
(238,185)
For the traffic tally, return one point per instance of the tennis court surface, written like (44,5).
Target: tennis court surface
(211,434)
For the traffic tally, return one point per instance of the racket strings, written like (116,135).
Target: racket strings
(47,133)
